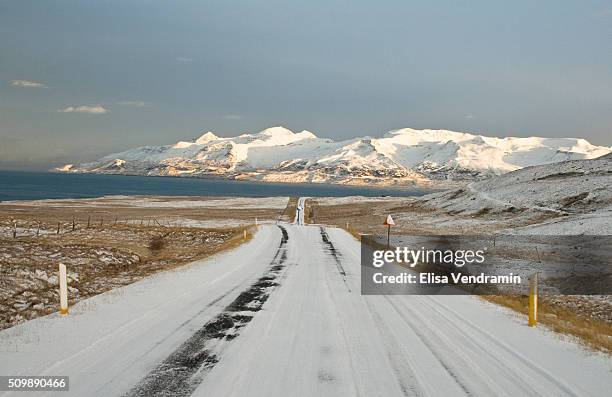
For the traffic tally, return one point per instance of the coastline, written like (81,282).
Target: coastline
(32,185)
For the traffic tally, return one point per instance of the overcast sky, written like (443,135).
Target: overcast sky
(80,78)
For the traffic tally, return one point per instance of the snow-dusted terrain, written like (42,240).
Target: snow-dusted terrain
(228,203)
(575,197)
(283,315)
(402,156)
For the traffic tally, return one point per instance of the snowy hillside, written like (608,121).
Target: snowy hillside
(402,156)
(571,197)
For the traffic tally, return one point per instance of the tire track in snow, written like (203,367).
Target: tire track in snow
(408,380)
(342,331)
(464,352)
(329,248)
(460,325)
(184,369)
(432,348)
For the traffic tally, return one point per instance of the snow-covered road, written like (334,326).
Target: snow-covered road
(299,211)
(282,315)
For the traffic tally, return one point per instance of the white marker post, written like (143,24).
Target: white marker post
(389,222)
(63,288)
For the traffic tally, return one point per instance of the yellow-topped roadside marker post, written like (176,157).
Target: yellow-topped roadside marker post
(389,222)
(533,300)
(63,289)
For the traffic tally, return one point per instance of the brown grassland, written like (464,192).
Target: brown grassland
(105,248)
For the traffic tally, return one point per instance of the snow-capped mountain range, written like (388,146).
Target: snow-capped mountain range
(403,156)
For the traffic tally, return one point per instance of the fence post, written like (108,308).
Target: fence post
(58,228)
(533,300)
(63,288)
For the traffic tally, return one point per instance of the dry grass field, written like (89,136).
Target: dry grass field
(366,215)
(106,243)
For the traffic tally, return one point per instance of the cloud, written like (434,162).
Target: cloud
(27,84)
(469,116)
(98,109)
(138,104)
(603,13)
(233,117)
(184,59)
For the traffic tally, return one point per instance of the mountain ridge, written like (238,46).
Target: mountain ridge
(402,156)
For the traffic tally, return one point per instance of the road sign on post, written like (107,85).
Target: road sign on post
(389,222)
